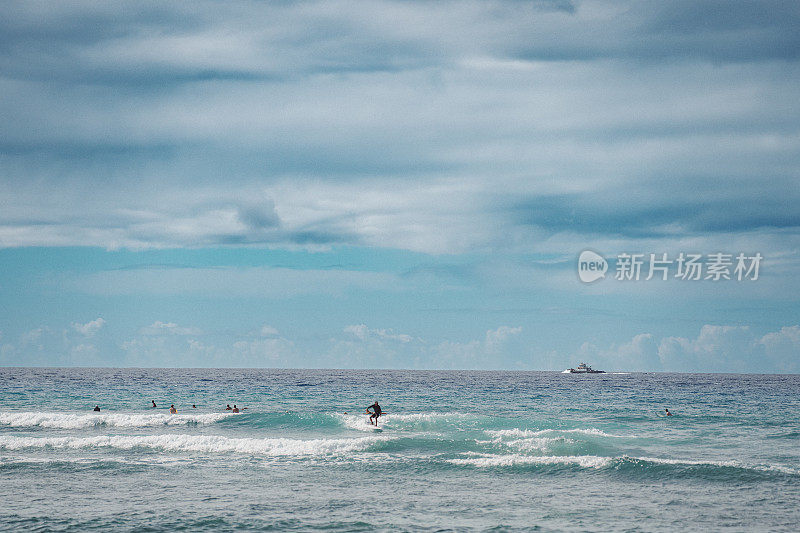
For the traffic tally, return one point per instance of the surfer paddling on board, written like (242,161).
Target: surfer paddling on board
(376,412)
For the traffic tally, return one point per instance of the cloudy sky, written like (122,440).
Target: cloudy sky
(397,184)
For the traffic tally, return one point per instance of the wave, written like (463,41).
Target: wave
(312,420)
(712,463)
(199,443)
(406,421)
(637,465)
(55,420)
(585,461)
(517,433)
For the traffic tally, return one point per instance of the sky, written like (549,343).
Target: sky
(398,184)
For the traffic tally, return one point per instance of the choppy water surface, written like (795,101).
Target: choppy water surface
(499,451)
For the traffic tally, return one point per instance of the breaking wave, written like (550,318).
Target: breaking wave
(53,420)
(199,443)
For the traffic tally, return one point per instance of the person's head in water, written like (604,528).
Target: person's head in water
(194,406)
(96,407)
(668,413)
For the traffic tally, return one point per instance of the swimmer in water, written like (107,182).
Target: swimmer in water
(228,408)
(172,409)
(194,406)
(154,403)
(235,409)
(668,413)
(96,408)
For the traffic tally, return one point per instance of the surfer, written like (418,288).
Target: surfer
(235,409)
(154,403)
(376,412)
(228,408)
(668,413)
(172,409)
(96,408)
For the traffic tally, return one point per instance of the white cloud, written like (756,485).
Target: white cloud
(169,328)
(782,349)
(268,331)
(90,328)
(362,332)
(182,351)
(45,346)
(485,354)
(495,338)
(275,352)
(366,347)
(717,348)
(33,336)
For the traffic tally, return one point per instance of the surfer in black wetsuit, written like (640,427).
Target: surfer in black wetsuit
(376,412)
(96,408)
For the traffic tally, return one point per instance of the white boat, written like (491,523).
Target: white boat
(583,368)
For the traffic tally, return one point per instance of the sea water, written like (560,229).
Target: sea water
(455,451)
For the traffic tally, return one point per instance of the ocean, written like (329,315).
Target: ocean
(454,451)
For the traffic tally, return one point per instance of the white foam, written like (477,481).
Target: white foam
(426,417)
(709,462)
(593,461)
(85,420)
(533,443)
(360,422)
(527,433)
(357,422)
(682,461)
(92,460)
(585,461)
(198,443)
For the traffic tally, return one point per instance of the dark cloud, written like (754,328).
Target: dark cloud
(695,207)
(259,217)
(156,45)
(430,126)
(650,31)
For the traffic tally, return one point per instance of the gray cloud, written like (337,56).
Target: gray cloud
(438,127)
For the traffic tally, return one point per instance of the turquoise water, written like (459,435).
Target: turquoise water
(456,451)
